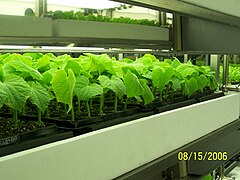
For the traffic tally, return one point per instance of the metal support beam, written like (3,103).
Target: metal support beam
(109,13)
(221,172)
(40,7)
(185,9)
(183,169)
(207,60)
(185,58)
(225,72)
(120,56)
(214,65)
(163,19)
(214,174)
(235,59)
(177,33)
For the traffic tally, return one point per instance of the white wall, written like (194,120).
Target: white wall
(16,7)
(135,16)
(231,7)
(136,9)
(137,13)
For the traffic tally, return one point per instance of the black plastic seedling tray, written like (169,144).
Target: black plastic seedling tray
(92,120)
(35,142)
(66,129)
(25,136)
(175,105)
(103,124)
(210,96)
(181,101)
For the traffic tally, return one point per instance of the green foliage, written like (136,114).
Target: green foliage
(175,63)
(86,90)
(208,177)
(161,77)
(176,84)
(74,66)
(133,85)
(97,17)
(212,82)
(187,71)
(147,94)
(34,56)
(45,78)
(202,82)
(39,96)
(115,84)
(17,63)
(190,86)
(43,62)
(17,91)
(63,85)
(3,97)
(234,73)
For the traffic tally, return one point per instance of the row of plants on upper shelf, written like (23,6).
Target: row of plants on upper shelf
(233,74)
(97,17)
(84,84)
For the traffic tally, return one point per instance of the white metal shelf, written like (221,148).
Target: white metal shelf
(23,30)
(113,151)
(186,9)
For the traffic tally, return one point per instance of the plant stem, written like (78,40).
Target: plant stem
(90,103)
(56,106)
(65,107)
(122,100)
(15,119)
(72,112)
(88,109)
(79,106)
(39,116)
(172,93)
(101,104)
(153,89)
(39,123)
(160,96)
(115,103)
(24,110)
(99,71)
(111,97)
(126,102)
(167,91)
(47,113)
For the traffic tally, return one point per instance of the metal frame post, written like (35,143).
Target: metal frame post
(221,171)
(225,72)
(163,19)
(183,169)
(185,58)
(120,56)
(207,60)
(235,59)
(215,64)
(40,7)
(177,33)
